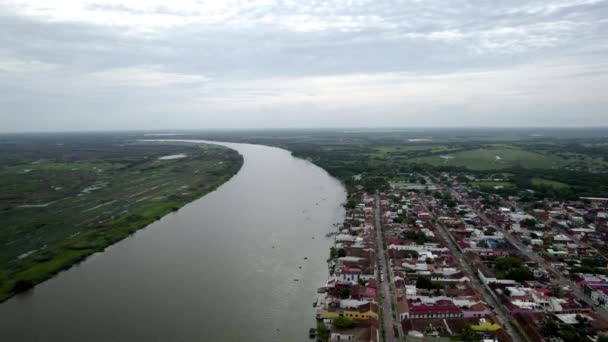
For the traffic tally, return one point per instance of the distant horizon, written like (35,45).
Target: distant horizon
(344,129)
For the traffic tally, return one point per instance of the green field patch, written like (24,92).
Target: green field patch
(494,158)
(540,182)
(50,166)
(405,150)
(492,184)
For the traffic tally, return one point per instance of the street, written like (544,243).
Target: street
(387,296)
(501,313)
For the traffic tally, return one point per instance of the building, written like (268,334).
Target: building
(441,309)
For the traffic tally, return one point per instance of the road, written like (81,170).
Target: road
(563,281)
(499,310)
(387,296)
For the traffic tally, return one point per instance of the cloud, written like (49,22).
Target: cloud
(289,62)
(147,76)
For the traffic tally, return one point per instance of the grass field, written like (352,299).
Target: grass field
(57,207)
(494,158)
(492,184)
(409,149)
(548,183)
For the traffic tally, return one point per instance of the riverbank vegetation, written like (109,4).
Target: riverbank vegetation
(551,163)
(64,197)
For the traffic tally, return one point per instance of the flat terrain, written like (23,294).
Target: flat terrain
(65,197)
(558,163)
(494,158)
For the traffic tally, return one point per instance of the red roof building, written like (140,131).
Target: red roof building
(441,309)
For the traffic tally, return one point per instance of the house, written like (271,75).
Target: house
(477,310)
(488,280)
(363,293)
(358,310)
(349,274)
(404,308)
(341,337)
(441,309)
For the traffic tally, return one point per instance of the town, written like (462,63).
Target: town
(439,258)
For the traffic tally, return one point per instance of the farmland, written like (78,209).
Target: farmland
(495,158)
(63,198)
(540,182)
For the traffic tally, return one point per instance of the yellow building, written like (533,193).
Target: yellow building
(352,314)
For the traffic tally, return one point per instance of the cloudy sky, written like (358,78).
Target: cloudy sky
(135,64)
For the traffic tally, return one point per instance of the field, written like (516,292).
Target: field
(65,198)
(495,158)
(493,184)
(540,182)
(407,150)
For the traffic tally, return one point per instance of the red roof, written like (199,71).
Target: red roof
(434,309)
(463,244)
(351,270)
(479,307)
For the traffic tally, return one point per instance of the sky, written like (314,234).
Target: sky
(70,65)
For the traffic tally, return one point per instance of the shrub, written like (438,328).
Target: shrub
(23,285)
(344,322)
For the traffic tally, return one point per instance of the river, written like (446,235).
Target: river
(240,264)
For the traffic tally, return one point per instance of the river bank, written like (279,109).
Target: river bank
(122,199)
(241,263)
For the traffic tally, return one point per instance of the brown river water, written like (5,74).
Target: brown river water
(227,267)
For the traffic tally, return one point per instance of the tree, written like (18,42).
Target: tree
(335,253)
(520,274)
(426,283)
(344,322)
(22,285)
(351,203)
(529,222)
(468,334)
(569,334)
(450,203)
(344,292)
(506,263)
(550,327)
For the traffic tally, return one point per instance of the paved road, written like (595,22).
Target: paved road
(499,310)
(387,297)
(563,281)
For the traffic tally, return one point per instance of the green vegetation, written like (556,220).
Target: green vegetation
(493,158)
(323,333)
(568,333)
(573,157)
(335,253)
(419,237)
(540,182)
(511,268)
(66,197)
(489,184)
(344,323)
(425,283)
(468,334)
